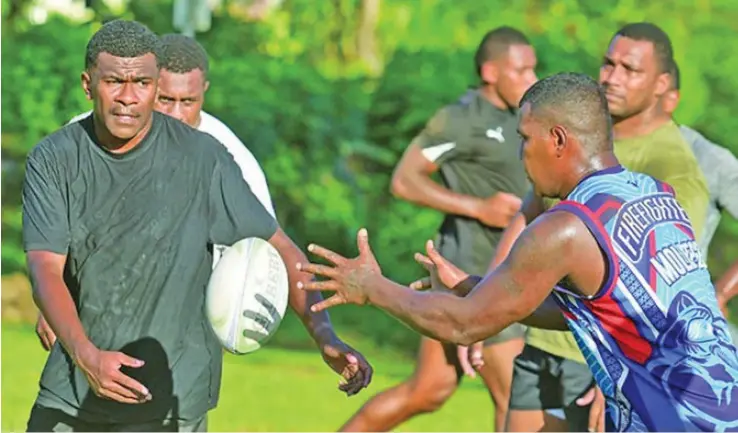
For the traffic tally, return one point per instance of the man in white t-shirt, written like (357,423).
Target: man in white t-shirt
(183,81)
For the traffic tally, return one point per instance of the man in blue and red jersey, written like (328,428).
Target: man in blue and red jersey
(617,256)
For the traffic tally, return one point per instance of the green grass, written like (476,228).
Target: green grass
(270,390)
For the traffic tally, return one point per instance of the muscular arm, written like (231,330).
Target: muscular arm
(547,251)
(412,181)
(52,297)
(318,324)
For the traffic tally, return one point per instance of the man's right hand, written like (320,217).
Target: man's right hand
(102,369)
(498,210)
(44,332)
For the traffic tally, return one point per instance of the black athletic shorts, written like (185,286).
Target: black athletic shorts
(544,381)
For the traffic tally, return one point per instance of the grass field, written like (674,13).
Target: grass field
(270,390)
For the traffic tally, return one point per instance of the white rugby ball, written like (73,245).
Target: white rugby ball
(247,295)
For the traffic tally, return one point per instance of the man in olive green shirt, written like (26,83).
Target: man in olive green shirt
(720,168)
(550,372)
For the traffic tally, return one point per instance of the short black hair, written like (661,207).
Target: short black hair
(652,33)
(122,38)
(182,54)
(577,102)
(675,77)
(496,43)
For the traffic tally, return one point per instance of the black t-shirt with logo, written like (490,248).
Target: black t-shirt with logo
(477,149)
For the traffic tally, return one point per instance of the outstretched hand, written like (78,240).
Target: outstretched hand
(350,279)
(443,273)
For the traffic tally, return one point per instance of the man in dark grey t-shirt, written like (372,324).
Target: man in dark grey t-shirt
(119,211)
(474,146)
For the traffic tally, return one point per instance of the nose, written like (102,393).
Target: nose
(531,78)
(127,95)
(612,76)
(177,112)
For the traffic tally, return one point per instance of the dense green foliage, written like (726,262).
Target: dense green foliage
(328,128)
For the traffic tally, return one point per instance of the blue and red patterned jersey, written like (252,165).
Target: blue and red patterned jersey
(653,335)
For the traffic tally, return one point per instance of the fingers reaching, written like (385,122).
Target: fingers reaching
(328,285)
(362,240)
(476,356)
(462,353)
(421,284)
(424,261)
(328,303)
(433,253)
(315,269)
(327,254)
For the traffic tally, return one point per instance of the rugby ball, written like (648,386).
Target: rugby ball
(247,295)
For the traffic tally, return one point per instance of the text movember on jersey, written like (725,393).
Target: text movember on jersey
(637,218)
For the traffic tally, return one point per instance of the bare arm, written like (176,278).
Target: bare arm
(532,207)
(727,286)
(412,181)
(547,251)
(317,324)
(55,302)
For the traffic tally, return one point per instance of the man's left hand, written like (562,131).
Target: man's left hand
(355,371)
(350,279)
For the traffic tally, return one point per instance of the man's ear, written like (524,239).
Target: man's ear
(489,72)
(560,137)
(663,83)
(207,86)
(87,84)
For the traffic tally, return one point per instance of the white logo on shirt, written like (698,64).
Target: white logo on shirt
(496,134)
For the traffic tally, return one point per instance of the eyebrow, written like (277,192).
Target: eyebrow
(116,76)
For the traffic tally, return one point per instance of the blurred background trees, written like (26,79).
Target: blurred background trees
(327,94)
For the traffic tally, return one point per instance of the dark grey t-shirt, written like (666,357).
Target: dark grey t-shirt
(477,149)
(137,230)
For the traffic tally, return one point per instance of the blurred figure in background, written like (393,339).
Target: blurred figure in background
(720,168)
(474,146)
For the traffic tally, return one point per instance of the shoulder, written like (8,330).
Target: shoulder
(560,228)
(64,141)
(704,148)
(448,117)
(213,126)
(671,153)
(189,142)
(183,134)
(210,124)
(80,116)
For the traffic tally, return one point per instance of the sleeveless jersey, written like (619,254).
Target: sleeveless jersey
(653,335)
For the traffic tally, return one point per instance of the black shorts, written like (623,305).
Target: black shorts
(544,381)
(44,419)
